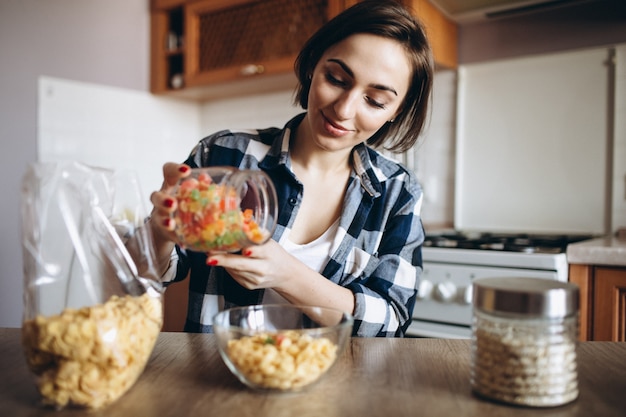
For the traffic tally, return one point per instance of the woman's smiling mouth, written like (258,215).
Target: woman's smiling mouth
(332,128)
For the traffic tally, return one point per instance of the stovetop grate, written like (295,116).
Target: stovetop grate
(507,242)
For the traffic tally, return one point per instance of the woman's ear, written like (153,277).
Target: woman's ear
(395,115)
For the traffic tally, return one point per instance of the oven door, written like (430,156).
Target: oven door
(444,305)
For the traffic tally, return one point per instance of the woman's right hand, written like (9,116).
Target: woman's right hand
(164,204)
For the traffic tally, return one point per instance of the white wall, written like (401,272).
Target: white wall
(116,128)
(104,42)
(532,141)
(618,214)
(434,155)
(254,111)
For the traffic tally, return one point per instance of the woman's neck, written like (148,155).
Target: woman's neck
(307,156)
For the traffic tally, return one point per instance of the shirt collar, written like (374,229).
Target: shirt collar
(365,169)
(279,151)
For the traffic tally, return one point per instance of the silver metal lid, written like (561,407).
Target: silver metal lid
(534,297)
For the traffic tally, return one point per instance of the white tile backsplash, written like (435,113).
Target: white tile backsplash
(435,153)
(619,150)
(114,128)
(249,112)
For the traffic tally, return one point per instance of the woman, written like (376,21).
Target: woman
(349,233)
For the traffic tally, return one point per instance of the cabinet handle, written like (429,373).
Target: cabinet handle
(252,69)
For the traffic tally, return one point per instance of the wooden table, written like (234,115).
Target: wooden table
(376,377)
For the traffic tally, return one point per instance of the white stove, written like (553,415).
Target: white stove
(453,260)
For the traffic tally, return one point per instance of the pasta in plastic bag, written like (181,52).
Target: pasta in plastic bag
(92,299)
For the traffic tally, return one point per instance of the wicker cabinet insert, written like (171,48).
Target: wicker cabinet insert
(229,40)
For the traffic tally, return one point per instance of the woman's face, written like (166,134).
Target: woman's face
(357,86)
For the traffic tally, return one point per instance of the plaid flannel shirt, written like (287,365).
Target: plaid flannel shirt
(378,255)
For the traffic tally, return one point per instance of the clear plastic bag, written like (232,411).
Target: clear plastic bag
(92,300)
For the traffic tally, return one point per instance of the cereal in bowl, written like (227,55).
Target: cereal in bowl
(285,360)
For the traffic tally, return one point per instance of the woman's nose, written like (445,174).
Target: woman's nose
(345,105)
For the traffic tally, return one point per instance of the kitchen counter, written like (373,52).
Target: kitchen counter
(375,377)
(601,251)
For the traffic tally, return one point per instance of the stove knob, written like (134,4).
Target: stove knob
(467,294)
(445,291)
(424,289)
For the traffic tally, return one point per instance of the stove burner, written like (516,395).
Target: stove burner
(524,243)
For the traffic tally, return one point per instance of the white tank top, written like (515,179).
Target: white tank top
(314,254)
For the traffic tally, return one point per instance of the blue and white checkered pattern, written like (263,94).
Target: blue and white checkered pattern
(378,243)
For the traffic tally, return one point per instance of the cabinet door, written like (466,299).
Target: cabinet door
(582,275)
(166,4)
(166,48)
(609,304)
(441,31)
(230,40)
(175,302)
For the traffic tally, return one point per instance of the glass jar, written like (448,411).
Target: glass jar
(524,338)
(224,209)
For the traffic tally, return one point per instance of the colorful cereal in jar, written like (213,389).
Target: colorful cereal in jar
(209,216)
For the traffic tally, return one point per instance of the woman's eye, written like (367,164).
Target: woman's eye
(334,80)
(375,103)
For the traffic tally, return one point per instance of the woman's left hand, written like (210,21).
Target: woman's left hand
(271,266)
(259,266)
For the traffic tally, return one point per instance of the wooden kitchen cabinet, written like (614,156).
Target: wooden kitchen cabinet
(175,301)
(603,301)
(441,31)
(199,44)
(167,37)
(223,41)
(166,4)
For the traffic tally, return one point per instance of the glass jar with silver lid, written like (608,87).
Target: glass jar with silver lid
(524,338)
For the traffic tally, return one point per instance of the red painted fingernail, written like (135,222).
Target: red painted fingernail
(168,202)
(211,262)
(247,252)
(183,168)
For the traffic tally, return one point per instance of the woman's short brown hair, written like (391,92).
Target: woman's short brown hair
(389,19)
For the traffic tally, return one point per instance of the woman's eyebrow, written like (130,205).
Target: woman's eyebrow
(351,74)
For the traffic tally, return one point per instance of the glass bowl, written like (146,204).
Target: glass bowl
(224,209)
(281,347)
